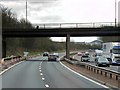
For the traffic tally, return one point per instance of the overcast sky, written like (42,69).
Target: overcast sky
(65,11)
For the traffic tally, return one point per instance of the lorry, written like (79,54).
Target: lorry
(98,53)
(111,50)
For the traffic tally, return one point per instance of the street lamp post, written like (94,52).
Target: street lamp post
(115,12)
(26,11)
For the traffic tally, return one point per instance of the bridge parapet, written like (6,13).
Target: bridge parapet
(75,25)
(67,25)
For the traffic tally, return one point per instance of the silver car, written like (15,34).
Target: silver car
(102,61)
(52,57)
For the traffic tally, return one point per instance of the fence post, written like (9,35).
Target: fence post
(44,26)
(60,25)
(93,25)
(77,25)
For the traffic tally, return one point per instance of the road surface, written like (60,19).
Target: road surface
(39,73)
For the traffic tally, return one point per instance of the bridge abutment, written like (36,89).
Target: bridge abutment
(3,47)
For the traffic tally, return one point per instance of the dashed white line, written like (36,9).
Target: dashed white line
(46,85)
(40,63)
(40,70)
(43,78)
(41,74)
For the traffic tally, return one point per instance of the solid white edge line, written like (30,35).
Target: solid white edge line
(84,76)
(10,67)
(46,85)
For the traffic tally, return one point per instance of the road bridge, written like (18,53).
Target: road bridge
(61,30)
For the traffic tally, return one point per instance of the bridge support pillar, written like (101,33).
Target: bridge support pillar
(3,47)
(68,46)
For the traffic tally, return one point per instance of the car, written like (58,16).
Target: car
(85,58)
(56,54)
(86,53)
(79,54)
(52,57)
(102,61)
(45,53)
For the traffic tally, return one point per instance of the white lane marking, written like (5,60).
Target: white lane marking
(40,70)
(40,63)
(39,66)
(43,78)
(41,74)
(11,67)
(46,85)
(84,76)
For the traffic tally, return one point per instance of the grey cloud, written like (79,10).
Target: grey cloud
(41,1)
(41,4)
(36,6)
(51,19)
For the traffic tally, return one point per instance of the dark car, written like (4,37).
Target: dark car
(52,57)
(102,61)
(45,53)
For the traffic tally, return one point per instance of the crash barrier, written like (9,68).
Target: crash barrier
(7,62)
(71,61)
(107,73)
(102,71)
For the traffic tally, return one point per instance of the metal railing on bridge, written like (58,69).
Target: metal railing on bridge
(75,25)
(66,25)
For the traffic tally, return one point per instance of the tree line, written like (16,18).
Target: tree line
(17,46)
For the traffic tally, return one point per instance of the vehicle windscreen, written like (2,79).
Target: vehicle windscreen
(85,56)
(116,51)
(103,59)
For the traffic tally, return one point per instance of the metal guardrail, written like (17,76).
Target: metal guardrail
(100,70)
(7,62)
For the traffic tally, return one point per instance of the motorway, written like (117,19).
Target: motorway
(112,67)
(39,73)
